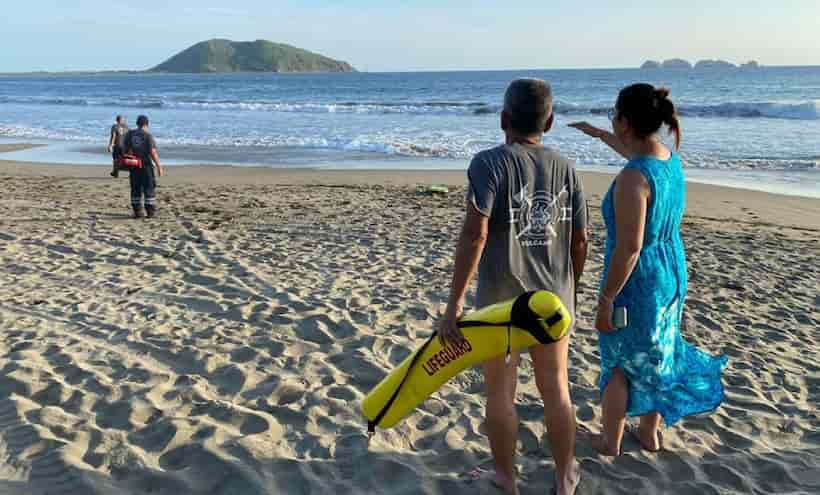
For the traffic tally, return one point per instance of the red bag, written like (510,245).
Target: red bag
(130,161)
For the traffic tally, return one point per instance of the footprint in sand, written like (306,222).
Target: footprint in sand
(243,355)
(229,379)
(342,393)
(155,437)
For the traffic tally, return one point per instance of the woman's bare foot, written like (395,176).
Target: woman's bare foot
(650,439)
(600,444)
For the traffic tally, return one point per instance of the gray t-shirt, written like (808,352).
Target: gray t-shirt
(534,201)
(119,131)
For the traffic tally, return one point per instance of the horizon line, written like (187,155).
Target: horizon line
(383,71)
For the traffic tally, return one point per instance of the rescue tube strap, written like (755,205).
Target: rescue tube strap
(509,344)
(523,317)
(371,425)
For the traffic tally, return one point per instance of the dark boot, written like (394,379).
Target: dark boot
(150,211)
(137,212)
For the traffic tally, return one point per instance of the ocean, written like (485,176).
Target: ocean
(755,128)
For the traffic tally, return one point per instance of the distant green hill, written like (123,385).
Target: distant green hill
(253,56)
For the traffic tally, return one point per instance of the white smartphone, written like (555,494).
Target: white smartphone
(619,318)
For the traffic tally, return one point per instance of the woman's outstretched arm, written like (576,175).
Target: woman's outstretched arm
(607,137)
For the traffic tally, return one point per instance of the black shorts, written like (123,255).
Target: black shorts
(116,153)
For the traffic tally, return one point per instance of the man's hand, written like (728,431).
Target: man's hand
(160,171)
(589,129)
(110,148)
(448,331)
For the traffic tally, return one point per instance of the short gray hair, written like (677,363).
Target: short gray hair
(528,104)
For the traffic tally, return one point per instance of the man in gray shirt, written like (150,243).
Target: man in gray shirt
(525,229)
(116,141)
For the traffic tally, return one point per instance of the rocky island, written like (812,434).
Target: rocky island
(714,64)
(677,63)
(220,56)
(651,64)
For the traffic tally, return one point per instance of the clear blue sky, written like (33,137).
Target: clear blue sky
(416,35)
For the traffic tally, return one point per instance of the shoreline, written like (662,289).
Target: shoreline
(12,147)
(796,183)
(705,201)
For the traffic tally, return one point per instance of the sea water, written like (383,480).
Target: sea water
(757,128)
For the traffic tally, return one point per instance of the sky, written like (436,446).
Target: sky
(379,35)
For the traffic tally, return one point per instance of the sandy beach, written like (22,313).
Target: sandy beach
(224,347)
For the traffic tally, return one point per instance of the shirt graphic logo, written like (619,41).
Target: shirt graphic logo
(538,215)
(137,142)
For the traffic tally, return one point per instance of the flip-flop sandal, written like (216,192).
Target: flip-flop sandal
(633,430)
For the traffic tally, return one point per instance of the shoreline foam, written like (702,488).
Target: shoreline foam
(797,183)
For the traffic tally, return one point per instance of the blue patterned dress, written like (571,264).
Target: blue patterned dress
(665,373)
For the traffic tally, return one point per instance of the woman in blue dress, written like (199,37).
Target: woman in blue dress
(647,369)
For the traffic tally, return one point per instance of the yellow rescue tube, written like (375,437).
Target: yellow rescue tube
(533,318)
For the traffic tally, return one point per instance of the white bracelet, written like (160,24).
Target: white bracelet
(603,299)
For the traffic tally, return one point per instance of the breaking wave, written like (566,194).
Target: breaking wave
(807,110)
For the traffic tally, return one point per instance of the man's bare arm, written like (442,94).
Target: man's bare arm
(470,248)
(578,252)
(157,164)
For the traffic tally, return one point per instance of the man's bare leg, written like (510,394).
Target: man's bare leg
(552,379)
(502,420)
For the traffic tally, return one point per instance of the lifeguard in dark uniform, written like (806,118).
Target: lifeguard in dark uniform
(141,143)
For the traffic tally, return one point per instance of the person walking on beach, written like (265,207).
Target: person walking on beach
(525,229)
(647,369)
(116,142)
(141,143)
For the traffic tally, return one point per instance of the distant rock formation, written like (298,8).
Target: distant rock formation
(676,63)
(714,64)
(218,55)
